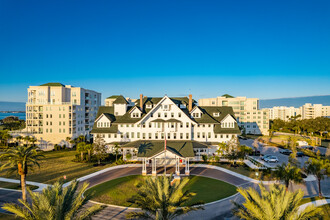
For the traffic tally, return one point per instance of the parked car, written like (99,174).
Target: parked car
(300,154)
(271,159)
(285,151)
(308,147)
(256,153)
(265,156)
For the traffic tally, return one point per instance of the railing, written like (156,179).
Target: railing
(51,103)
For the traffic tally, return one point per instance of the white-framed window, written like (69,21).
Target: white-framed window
(149,106)
(196,115)
(216,114)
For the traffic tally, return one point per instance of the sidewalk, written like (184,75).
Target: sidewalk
(40,185)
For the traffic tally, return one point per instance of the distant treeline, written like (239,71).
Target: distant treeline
(318,126)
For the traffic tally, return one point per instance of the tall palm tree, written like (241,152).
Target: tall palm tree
(6,137)
(288,173)
(116,148)
(81,147)
(89,148)
(55,203)
(160,199)
(319,168)
(33,140)
(20,159)
(273,204)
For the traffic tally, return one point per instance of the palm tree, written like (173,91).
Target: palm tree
(19,139)
(273,204)
(160,199)
(319,168)
(26,139)
(19,159)
(6,137)
(89,148)
(55,203)
(116,148)
(81,147)
(33,140)
(223,147)
(288,173)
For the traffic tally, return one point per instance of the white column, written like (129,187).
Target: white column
(178,166)
(144,167)
(187,167)
(154,173)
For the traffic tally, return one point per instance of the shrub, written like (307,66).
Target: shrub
(205,158)
(128,156)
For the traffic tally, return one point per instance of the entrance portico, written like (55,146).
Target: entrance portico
(165,159)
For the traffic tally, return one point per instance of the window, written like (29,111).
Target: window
(187,124)
(172,114)
(165,115)
(181,135)
(149,125)
(143,135)
(151,115)
(138,135)
(132,134)
(159,115)
(198,134)
(149,106)
(60,115)
(179,114)
(187,135)
(216,114)
(156,135)
(196,115)
(209,135)
(165,107)
(203,134)
(172,125)
(168,136)
(181,125)
(150,135)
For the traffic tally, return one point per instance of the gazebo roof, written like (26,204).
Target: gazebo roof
(152,148)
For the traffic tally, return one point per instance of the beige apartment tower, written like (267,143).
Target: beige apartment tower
(251,119)
(55,111)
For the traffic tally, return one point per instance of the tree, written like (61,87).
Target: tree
(55,203)
(89,148)
(255,143)
(33,140)
(81,147)
(222,149)
(100,149)
(319,168)
(159,198)
(20,159)
(5,137)
(27,140)
(273,204)
(288,173)
(116,148)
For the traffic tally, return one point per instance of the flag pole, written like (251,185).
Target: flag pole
(165,153)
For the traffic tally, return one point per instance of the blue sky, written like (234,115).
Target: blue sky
(264,49)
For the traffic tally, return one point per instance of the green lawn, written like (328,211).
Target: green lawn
(55,165)
(14,186)
(121,190)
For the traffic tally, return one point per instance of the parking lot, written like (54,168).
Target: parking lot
(264,149)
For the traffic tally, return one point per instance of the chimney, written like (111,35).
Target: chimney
(141,102)
(190,103)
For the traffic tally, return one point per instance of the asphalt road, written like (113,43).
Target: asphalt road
(7,196)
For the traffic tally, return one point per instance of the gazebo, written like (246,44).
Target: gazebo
(153,152)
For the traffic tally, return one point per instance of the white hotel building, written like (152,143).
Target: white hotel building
(189,130)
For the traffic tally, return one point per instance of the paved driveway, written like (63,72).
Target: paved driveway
(264,149)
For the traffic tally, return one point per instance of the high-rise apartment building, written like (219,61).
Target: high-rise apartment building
(55,111)
(284,113)
(309,111)
(251,119)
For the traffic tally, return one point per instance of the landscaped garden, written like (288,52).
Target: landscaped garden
(121,191)
(57,164)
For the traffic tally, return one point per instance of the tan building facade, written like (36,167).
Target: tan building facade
(309,111)
(55,111)
(283,112)
(251,119)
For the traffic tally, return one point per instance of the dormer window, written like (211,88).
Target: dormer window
(149,106)
(216,114)
(183,106)
(196,115)
(135,115)
(165,107)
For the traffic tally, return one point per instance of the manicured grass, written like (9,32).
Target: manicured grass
(55,165)
(14,186)
(121,190)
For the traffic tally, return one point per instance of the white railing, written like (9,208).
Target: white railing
(50,103)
